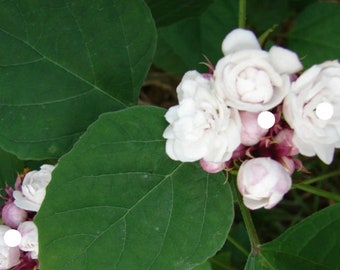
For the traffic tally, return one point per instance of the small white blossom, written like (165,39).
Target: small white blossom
(262,182)
(314,135)
(9,256)
(33,188)
(29,241)
(251,79)
(201,126)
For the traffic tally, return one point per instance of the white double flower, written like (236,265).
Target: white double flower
(201,126)
(250,79)
(315,133)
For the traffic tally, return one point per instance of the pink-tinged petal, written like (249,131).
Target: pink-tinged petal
(274,200)
(254,204)
(212,167)
(284,61)
(239,39)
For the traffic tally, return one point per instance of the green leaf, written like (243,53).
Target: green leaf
(63,63)
(181,46)
(263,16)
(205,266)
(116,201)
(10,167)
(221,261)
(166,12)
(313,244)
(316,34)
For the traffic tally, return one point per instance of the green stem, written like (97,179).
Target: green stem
(252,234)
(242,13)
(320,178)
(238,246)
(318,192)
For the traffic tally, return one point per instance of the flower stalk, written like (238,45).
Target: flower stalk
(318,192)
(242,13)
(248,221)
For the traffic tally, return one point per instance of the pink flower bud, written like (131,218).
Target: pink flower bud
(251,132)
(284,143)
(212,167)
(262,182)
(12,215)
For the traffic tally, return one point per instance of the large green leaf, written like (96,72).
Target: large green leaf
(116,201)
(181,46)
(62,63)
(166,12)
(316,34)
(313,244)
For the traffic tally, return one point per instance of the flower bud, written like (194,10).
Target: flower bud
(251,132)
(12,215)
(262,182)
(212,167)
(284,143)
(9,256)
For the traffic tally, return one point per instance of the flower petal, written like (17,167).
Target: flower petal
(23,203)
(239,39)
(284,61)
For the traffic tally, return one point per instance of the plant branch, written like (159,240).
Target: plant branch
(318,192)
(319,178)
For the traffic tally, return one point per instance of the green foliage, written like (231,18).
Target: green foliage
(167,12)
(182,46)
(312,245)
(316,35)
(10,166)
(117,191)
(62,64)
(70,77)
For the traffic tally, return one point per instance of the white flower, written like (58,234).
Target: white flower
(33,188)
(29,241)
(262,182)
(251,79)
(314,134)
(9,256)
(201,126)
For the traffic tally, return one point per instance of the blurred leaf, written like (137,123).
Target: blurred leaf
(221,261)
(239,234)
(181,46)
(128,199)
(9,168)
(316,34)
(263,14)
(313,244)
(166,12)
(204,266)
(63,63)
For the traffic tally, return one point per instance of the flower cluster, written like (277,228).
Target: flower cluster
(222,117)
(21,205)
